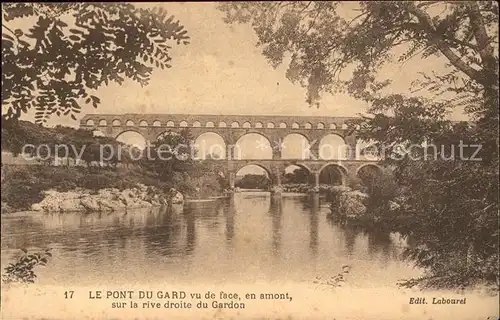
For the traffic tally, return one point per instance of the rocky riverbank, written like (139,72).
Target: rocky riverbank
(106,200)
(306,188)
(351,205)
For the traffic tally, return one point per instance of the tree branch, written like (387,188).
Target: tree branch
(482,39)
(435,38)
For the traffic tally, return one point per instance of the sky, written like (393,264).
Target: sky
(222,71)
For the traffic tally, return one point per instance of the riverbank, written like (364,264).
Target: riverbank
(106,200)
(62,189)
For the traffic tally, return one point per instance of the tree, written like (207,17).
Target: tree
(323,41)
(169,155)
(343,46)
(254,181)
(299,175)
(54,65)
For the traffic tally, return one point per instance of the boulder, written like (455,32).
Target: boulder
(90,204)
(276,189)
(177,198)
(340,189)
(139,204)
(51,203)
(50,193)
(110,199)
(315,189)
(35,207)
(68,205)
(106,205)
(349,202)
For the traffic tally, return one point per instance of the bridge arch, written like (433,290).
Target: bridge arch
(270,125)
(196,124)
(307,125)
(254,164)
(116,123)
(170,123)
(235,124)
(130,123)
(295,146)
(332,147)
(222,124)
(297,173)
(258,124)
(210,145)
(333,126)
(183,124)
(247,124)
(321,125)
(338,168)
(143,123)
(282,125)
(253,145)
(132,137)
(156,123)
(254,169)
(295,125)
(90,122)
(103,123)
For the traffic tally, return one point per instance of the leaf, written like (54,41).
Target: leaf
(9,37)
(61,23)
(77,31)
(24,250)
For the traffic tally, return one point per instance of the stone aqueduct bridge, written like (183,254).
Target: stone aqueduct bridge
(232,127)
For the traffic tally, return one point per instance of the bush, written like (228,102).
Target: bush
(22,270)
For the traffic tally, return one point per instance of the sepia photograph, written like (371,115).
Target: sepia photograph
(250,160)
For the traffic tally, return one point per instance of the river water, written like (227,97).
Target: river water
(252,238)
(253,243)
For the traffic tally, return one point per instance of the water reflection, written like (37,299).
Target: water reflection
(276,212)
(245,238)
(229,211)
(314,222)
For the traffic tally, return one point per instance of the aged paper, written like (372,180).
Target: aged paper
(240,160)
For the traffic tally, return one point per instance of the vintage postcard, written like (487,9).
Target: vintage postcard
(250,160)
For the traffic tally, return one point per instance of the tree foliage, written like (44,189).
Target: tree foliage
(254,181)
(55,64)
(325,39)
(451,199)
(22,271)
(298,175)
(61,142)
(170,154)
